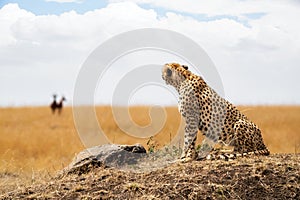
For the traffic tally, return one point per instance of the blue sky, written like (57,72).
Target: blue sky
(42,7)
(255,45)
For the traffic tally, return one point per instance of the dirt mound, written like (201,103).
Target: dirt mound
(272,177)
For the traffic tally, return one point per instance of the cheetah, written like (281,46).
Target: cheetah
(218,120)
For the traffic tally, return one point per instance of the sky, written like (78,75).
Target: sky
(255,45)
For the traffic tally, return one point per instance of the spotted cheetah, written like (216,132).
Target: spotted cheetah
(218,120)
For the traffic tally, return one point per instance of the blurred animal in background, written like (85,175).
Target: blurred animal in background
(53,104)
(57,105)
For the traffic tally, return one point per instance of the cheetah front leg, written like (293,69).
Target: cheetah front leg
(190,136)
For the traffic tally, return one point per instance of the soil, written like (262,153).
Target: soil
(272,177)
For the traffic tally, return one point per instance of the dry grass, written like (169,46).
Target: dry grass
(33,140)
(272,177)
(280,126)
(140,118)
(33,143)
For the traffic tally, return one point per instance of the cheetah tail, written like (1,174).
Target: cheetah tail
(232,156)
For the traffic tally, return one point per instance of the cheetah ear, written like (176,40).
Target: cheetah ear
(185,67)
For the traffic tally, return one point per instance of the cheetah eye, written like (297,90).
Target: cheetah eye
(169,72)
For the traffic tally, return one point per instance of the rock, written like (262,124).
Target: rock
(108,155)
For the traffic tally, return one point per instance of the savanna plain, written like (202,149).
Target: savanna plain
(35,144)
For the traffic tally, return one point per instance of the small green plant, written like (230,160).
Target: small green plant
(198,147)
(152,145)
(204,147)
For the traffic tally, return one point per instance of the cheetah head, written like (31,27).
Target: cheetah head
(174,74)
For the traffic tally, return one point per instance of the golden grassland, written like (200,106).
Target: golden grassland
(32,139)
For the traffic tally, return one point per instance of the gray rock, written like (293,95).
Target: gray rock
(108,155)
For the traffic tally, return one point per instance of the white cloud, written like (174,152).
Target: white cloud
(9,14)
(217,7)
(45,52)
